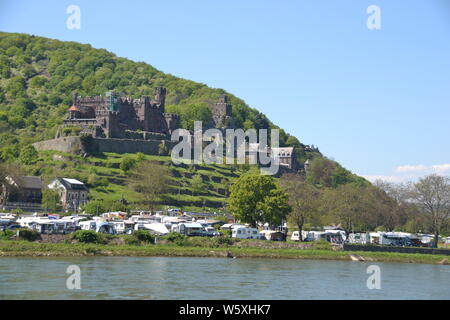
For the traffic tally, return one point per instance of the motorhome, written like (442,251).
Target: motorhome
(333,236)
(395,239)
(358,238)
(43,226)
(190,229)
(123,226)
(87,225)
(242,232)
(296,235)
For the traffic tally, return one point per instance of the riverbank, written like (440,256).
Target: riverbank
(35,249)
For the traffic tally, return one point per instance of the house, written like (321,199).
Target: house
(73,193)
(22,189)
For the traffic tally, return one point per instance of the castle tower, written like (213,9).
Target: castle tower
(160,98)
(222,113)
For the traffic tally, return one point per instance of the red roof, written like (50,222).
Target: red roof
(74,108)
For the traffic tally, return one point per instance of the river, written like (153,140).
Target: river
(217,278)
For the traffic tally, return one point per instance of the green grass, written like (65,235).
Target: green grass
(24,248)
(94,169)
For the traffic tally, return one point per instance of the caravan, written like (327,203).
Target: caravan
(242,232)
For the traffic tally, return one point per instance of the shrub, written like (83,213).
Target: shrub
(176,238)
(226,233)
(87,236)
(131,240)
(6,235)
(29,235)
(127,164)
(144,236)
(18,211)
(223,241)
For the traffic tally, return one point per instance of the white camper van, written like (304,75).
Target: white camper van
(245,233)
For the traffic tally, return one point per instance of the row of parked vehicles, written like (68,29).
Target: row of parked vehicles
(111,223)
(402,239)
(161,224)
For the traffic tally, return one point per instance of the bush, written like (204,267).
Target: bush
(29,235)
(127,164)
(139,237)
(6,235)
(176,238)
(144,236)
(18,211)
(131,240)
(222,241)
(87,236)
(226,233)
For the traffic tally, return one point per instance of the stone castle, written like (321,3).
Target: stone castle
(121,124)
(112,116)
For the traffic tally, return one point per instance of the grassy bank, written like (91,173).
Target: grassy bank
(34,249)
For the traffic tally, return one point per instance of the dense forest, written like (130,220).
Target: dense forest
(38,76)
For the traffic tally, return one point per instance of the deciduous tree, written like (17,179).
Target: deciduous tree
(258,198)
(304,198)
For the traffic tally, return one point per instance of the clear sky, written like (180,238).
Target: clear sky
(377,101)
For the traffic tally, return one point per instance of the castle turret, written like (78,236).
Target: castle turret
(160,97)
(222,113)
(74,112)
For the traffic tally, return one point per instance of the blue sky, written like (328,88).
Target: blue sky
(377,101)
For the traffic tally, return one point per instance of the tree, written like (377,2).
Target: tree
(151,180)
(304,200)
(432,195)
(404,213)
(258,198)
(127,164)
(320,172)
(28,155)
(351,206)
(197,184)
(51,200)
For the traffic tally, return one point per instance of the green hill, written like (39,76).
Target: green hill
(39,75)
(37,78)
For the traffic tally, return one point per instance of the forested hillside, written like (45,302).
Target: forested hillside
(38,76)
(37,79)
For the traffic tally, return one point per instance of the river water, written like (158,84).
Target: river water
(217,278)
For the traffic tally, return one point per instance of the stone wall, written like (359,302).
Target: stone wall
(129,146)
(75,145)
(64,144)
(373,248)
